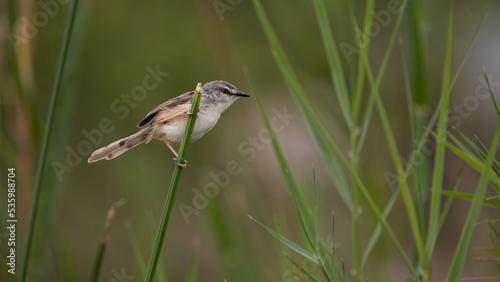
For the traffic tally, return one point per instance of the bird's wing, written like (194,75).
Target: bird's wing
(170,108)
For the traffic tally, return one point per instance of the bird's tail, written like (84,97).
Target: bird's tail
(119,147)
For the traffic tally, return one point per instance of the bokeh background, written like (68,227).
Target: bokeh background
(114,44)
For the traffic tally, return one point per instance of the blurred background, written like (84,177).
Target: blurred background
(116,45)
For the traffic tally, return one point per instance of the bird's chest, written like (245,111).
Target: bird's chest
(205,121)
(173,130)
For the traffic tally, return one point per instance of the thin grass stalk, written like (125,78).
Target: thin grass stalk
(332,53)
(174,184)
(46,141)
(103,243)
(449,201)
(439,160)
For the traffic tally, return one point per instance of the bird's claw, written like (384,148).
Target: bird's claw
(182,165)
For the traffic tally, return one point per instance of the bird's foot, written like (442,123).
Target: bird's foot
(182,165)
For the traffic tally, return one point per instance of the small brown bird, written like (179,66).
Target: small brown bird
(167,122)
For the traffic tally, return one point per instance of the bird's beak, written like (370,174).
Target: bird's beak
(241,94)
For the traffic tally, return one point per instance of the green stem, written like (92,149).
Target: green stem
(439,160)
(356,230)
(46,141)
(174,183)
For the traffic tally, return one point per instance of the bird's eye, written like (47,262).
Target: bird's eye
(225,90)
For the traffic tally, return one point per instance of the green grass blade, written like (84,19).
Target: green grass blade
(483,148)
(449,201)
(305,218)
(473,162)
(438,172)
(378,229)
(495,247)
(297,92)
(174,184)
(491,93)
(294,247)
(490,222)
(307,274)
(477,203)
(364,40)
(478,151)
(56,89)
(467,197)
(366,123)
(334,62)
(467,52)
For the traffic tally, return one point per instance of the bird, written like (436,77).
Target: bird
(167,122)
